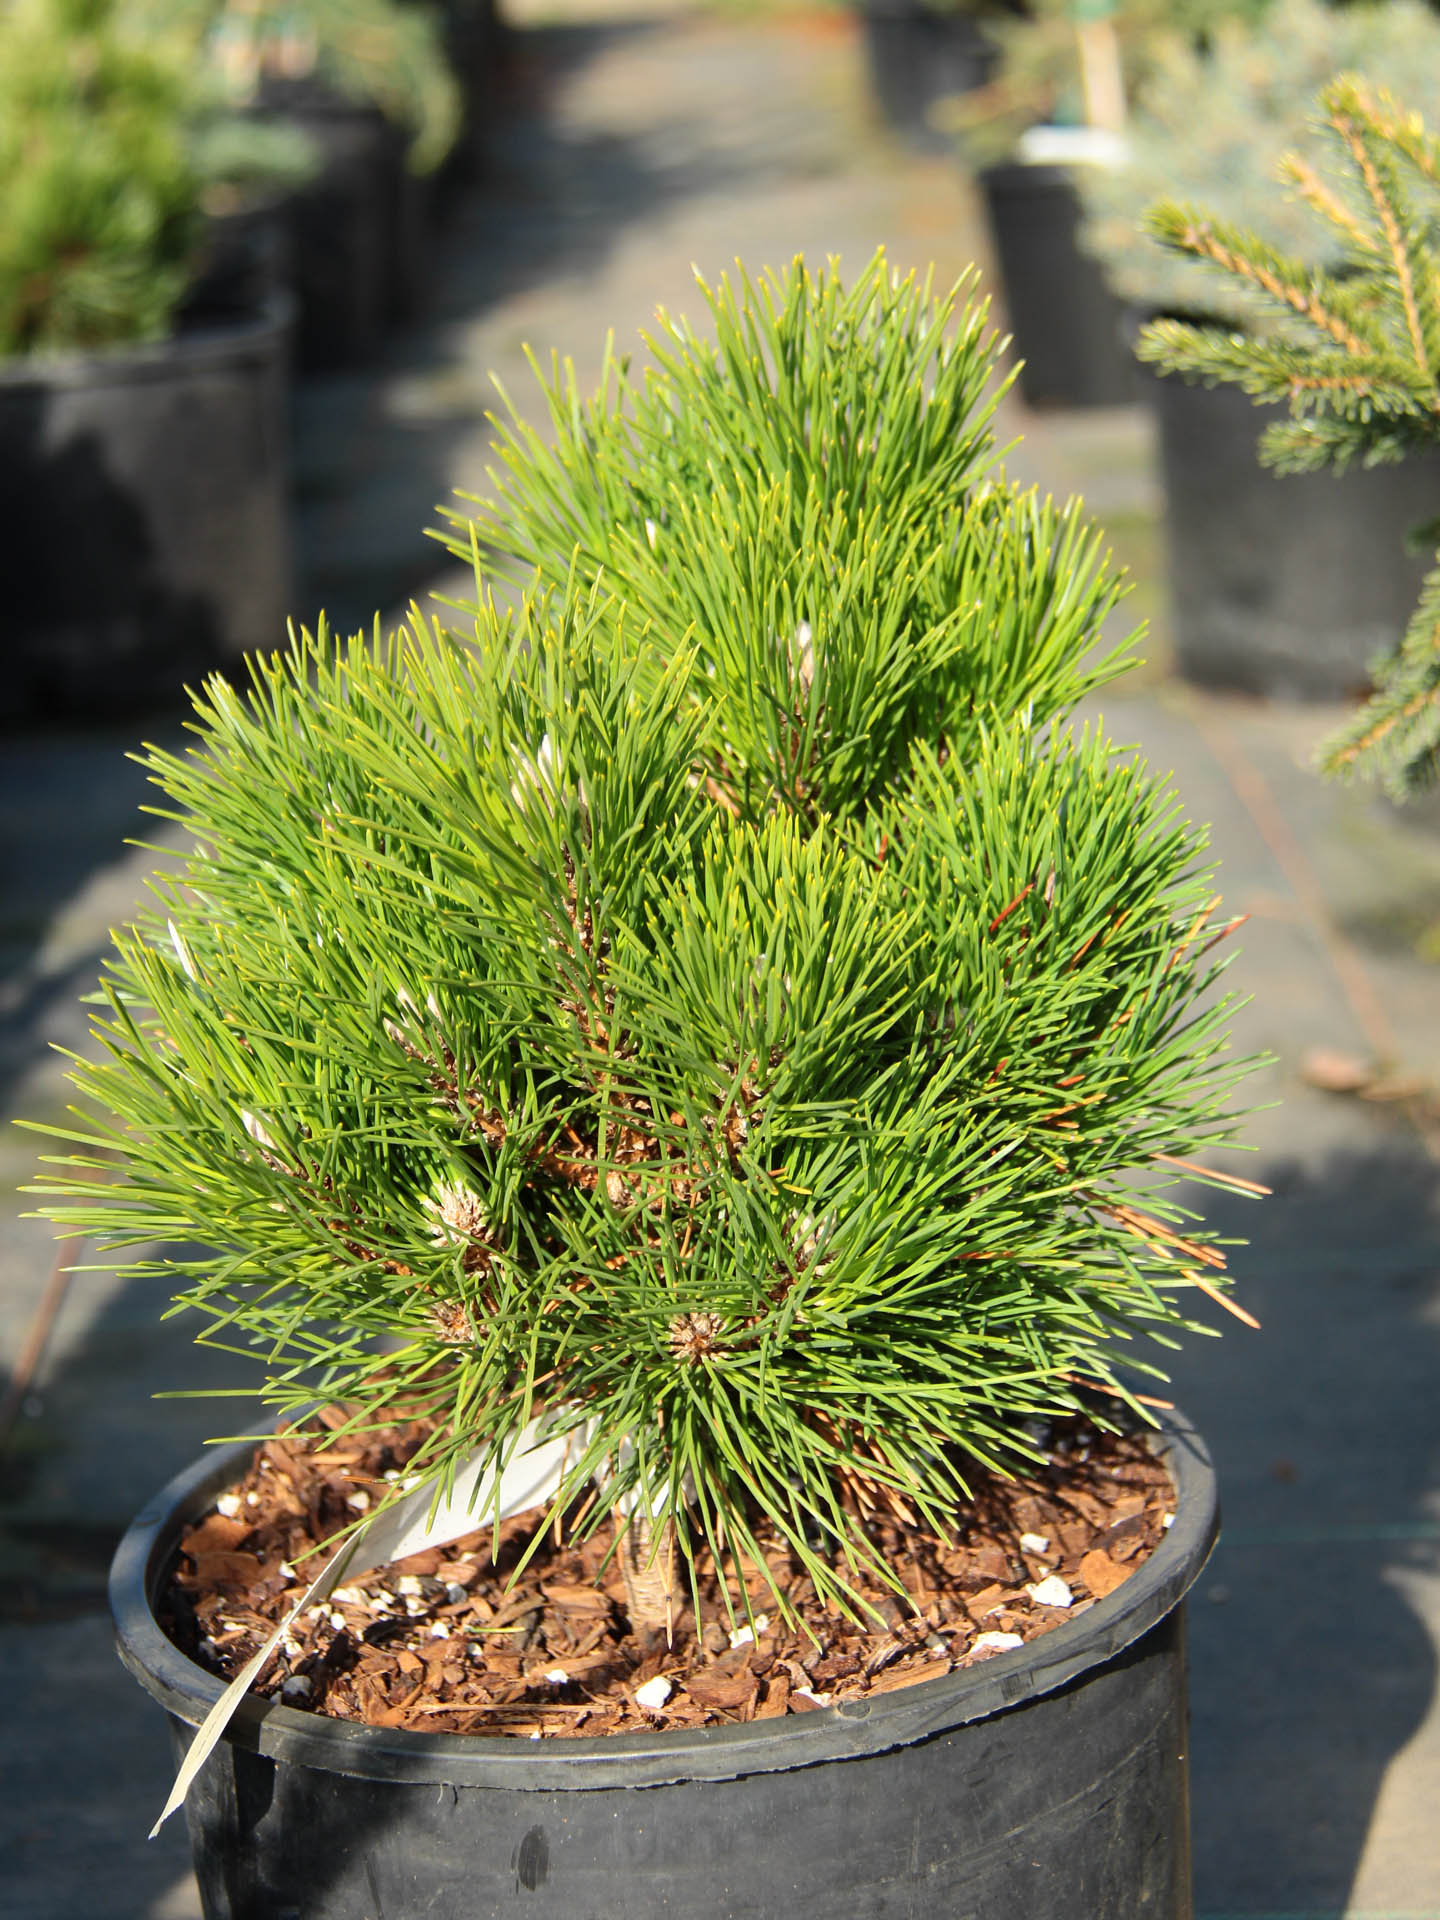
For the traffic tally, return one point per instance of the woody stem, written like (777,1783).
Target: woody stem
(647,1562)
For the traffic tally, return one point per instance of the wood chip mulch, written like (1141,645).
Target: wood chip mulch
(446,1642)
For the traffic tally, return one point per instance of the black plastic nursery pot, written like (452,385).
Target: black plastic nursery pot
(358,232)
(1067,325)
(1049,1783)
(1281,584)
(477,47)
(244,263)
(918,55)
(408,230)
(144,496)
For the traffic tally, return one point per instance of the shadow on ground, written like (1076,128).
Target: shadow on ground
(1309,1670)
(70,799)
(81,1789)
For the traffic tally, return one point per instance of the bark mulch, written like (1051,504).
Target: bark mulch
(447,1642)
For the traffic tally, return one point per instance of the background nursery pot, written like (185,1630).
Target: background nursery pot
(244,265)
(1066,323)
(144,494)
(1041,1785)
(359,233)
(1283,584)
(917,55)
(477,49)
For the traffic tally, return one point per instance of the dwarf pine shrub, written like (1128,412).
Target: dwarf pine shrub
(724,1001)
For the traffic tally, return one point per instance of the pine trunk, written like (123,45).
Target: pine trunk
(647,1562)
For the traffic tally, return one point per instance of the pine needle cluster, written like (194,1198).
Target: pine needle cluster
(722,1001)
(1354,353)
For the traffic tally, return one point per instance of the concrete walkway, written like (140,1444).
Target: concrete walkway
(643,144)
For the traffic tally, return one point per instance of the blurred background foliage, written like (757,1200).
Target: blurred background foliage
(1212,120)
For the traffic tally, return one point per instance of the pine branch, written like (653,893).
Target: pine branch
(1405,133)
(1351,117)
(1396,736)
(1295,286)
(1358,366)
(1297,171)
(1276,369)
(1319,441)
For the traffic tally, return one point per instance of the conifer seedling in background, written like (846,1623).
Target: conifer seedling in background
(1046,66)
(1214,116)
(1354,351)
(724,1005)
(113,146)
(99,195)
(382,53)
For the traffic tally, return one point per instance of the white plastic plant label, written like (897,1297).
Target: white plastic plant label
(532,1475)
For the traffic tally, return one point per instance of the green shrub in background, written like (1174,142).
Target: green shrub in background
(376,52)
(1211,124)
(99,190)
(1353,350)
(1038,77)
(728,1006)
(112,149)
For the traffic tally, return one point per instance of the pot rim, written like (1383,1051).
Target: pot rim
(1015,177)
(852,1729)
(178,353)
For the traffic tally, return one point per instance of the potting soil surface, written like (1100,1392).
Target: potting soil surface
(454,1640)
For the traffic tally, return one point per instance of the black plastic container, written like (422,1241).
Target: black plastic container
(407,233)
(244,263)
(919,55)
(353,231)
(477,45)
(1046,1784)
(144,498)
(1281,584)
(1067,325)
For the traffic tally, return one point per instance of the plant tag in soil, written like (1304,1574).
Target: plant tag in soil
(532,1476)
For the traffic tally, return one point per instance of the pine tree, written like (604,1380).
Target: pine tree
(722,1002)
(1355,354)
